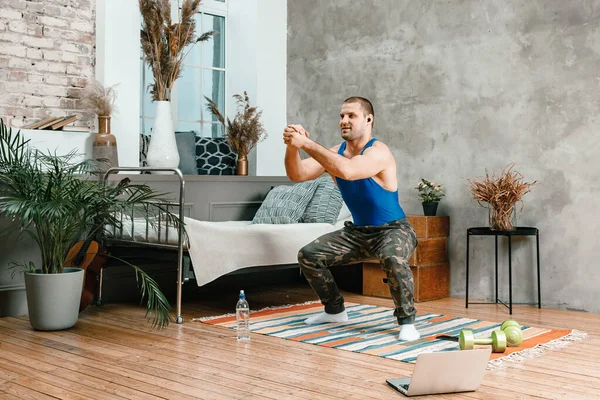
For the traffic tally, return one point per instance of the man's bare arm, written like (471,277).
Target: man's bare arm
(299,170)
(374,160)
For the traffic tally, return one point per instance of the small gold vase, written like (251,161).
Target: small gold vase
(242,166)
(105,145)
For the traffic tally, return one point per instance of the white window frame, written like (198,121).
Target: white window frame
(212,7)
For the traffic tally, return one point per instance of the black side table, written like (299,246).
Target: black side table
(519,231)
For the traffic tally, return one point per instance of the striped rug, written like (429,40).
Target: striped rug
(373,330)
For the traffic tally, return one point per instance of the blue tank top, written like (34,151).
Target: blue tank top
(369,203)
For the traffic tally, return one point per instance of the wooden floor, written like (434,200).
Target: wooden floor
(113,354)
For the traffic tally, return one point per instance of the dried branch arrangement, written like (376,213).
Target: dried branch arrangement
(99,99)
(246,130)
(163,42)
(501,191)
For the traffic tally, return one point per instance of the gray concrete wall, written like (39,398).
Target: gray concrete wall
(464,86)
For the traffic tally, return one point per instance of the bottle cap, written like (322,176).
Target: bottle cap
(242,294)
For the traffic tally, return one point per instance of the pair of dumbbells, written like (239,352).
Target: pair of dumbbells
(510,334)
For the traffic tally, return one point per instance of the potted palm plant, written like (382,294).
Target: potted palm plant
(59,201)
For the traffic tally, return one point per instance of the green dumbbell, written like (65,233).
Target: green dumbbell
(467,341)
(514,334)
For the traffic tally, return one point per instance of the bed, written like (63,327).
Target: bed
(208,250)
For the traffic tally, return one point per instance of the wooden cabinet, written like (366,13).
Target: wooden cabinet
(429,262)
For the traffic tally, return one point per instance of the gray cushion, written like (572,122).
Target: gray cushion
(285,204)
(186,145)
(325,205)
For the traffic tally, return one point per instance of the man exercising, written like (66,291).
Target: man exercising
(364,170)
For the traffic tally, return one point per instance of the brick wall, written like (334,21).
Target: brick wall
(47,54)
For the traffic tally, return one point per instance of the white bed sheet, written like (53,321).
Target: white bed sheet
(218,248)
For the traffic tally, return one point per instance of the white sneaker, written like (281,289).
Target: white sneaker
(408,333)
(324,318)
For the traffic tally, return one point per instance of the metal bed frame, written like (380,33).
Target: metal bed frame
(117,239)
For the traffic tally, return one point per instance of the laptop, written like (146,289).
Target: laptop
(445,372)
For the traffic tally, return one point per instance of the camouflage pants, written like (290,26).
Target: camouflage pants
(392,244)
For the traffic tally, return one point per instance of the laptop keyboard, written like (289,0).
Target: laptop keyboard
(405,386)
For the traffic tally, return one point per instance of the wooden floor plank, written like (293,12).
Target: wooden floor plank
(168,354)
(220,346)
(75,371)
(24,392)
(7,396)
(147,384)
(50,389)
(113,353)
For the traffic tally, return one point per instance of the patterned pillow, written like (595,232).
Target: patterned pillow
(215,157)
(325,205)
(144,144)
(285,204)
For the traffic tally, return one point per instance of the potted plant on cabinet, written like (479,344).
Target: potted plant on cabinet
(431,193)
(59,201)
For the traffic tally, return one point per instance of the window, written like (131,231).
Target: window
(203,74)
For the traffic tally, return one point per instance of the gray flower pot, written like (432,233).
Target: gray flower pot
(53,299)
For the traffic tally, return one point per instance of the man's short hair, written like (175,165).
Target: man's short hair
(364,103)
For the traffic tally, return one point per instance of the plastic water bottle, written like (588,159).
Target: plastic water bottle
(242,316)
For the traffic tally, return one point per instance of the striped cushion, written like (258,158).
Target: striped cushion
(285,204)
(325,205)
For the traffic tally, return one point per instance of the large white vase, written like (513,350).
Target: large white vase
(162,151)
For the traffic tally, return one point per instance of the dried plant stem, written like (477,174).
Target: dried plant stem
(99,99)
(501,191)
(163,42)
(246,130)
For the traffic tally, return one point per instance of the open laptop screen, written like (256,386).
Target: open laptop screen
(445,372)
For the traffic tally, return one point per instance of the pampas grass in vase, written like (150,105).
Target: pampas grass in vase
(501,191)
(164,42)
(244,132)
(101,100)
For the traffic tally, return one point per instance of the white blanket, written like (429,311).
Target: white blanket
(218,248)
